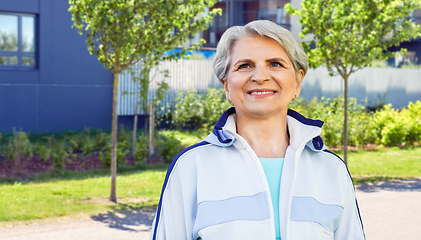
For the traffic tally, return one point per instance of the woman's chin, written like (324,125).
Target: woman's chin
(263,111)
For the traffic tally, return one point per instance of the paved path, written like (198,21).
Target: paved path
(390,210)
(128,226)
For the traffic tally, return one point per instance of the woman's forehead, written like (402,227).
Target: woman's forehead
(257,47)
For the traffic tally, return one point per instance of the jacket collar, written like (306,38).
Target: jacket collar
(301,130)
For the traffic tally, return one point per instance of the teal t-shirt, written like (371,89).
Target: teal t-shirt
(273,171)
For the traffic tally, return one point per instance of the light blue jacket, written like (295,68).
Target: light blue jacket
(217,190)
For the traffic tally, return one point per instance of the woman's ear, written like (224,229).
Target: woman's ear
(300,77)
(227,95)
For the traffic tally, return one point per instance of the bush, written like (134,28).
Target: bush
(22,145)
(101,140)
(331,112)
(58,154)
(215,104)
(199,110)
(189,110)
(43,152)
(168,147)
(386,126)
(413,122)
(124,136)
(141,149)
(82,142)
(18,147)
(105,156)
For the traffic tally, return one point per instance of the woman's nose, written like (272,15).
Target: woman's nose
(260,75)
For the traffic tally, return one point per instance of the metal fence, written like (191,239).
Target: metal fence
(397,86)
(183,75)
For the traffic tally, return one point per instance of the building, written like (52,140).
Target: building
(48,80)
(413,55)
(240,12)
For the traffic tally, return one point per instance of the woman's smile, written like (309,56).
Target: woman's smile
(261,93)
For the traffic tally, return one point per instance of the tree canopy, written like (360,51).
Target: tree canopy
(122,33)
(349,34)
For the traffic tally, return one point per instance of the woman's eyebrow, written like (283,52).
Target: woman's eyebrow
(242,61)
(277,59)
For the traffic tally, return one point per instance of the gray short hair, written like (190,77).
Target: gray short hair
(259,28)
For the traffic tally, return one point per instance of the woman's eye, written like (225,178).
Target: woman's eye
(275,64)
(242,66)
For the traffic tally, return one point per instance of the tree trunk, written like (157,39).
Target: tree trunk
(113,196)
(145,118)
(345,119)
(134,130)
(151,129)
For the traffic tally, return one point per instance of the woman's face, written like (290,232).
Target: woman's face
(261,81)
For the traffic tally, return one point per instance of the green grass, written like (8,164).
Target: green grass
(187,138)
(384,164)
(49,197)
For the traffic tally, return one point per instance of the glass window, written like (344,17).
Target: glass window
(416,16)
(8,60)
(273,10)
(8,33)
(17,40)
(241,12)
(219,24)
(28,41)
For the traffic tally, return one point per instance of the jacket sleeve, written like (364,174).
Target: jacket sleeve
(175,215)
(350,225)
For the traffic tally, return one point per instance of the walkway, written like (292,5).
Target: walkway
(390,210)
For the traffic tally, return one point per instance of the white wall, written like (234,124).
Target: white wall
(400,86)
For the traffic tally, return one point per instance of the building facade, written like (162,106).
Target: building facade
(48,80)
(241,12)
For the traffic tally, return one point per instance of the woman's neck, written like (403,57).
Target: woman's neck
(268,137)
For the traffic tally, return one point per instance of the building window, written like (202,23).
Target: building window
(241,12)
(17,40)
(273,10)
(416,16)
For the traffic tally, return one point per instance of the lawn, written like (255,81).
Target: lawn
(87,192)
(384,164)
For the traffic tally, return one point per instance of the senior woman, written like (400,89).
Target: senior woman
(263,173)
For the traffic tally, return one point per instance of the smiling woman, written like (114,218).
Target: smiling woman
(263,173)
(261,83)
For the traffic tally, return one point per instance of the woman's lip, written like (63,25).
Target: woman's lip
(261,91)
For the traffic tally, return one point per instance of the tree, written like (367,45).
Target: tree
(349,34)
(122,33)
(140,74)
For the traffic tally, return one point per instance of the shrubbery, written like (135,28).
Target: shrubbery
(195,110)
(85,143)
(168,147)
(331,112)
(387,126)
(200,112)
